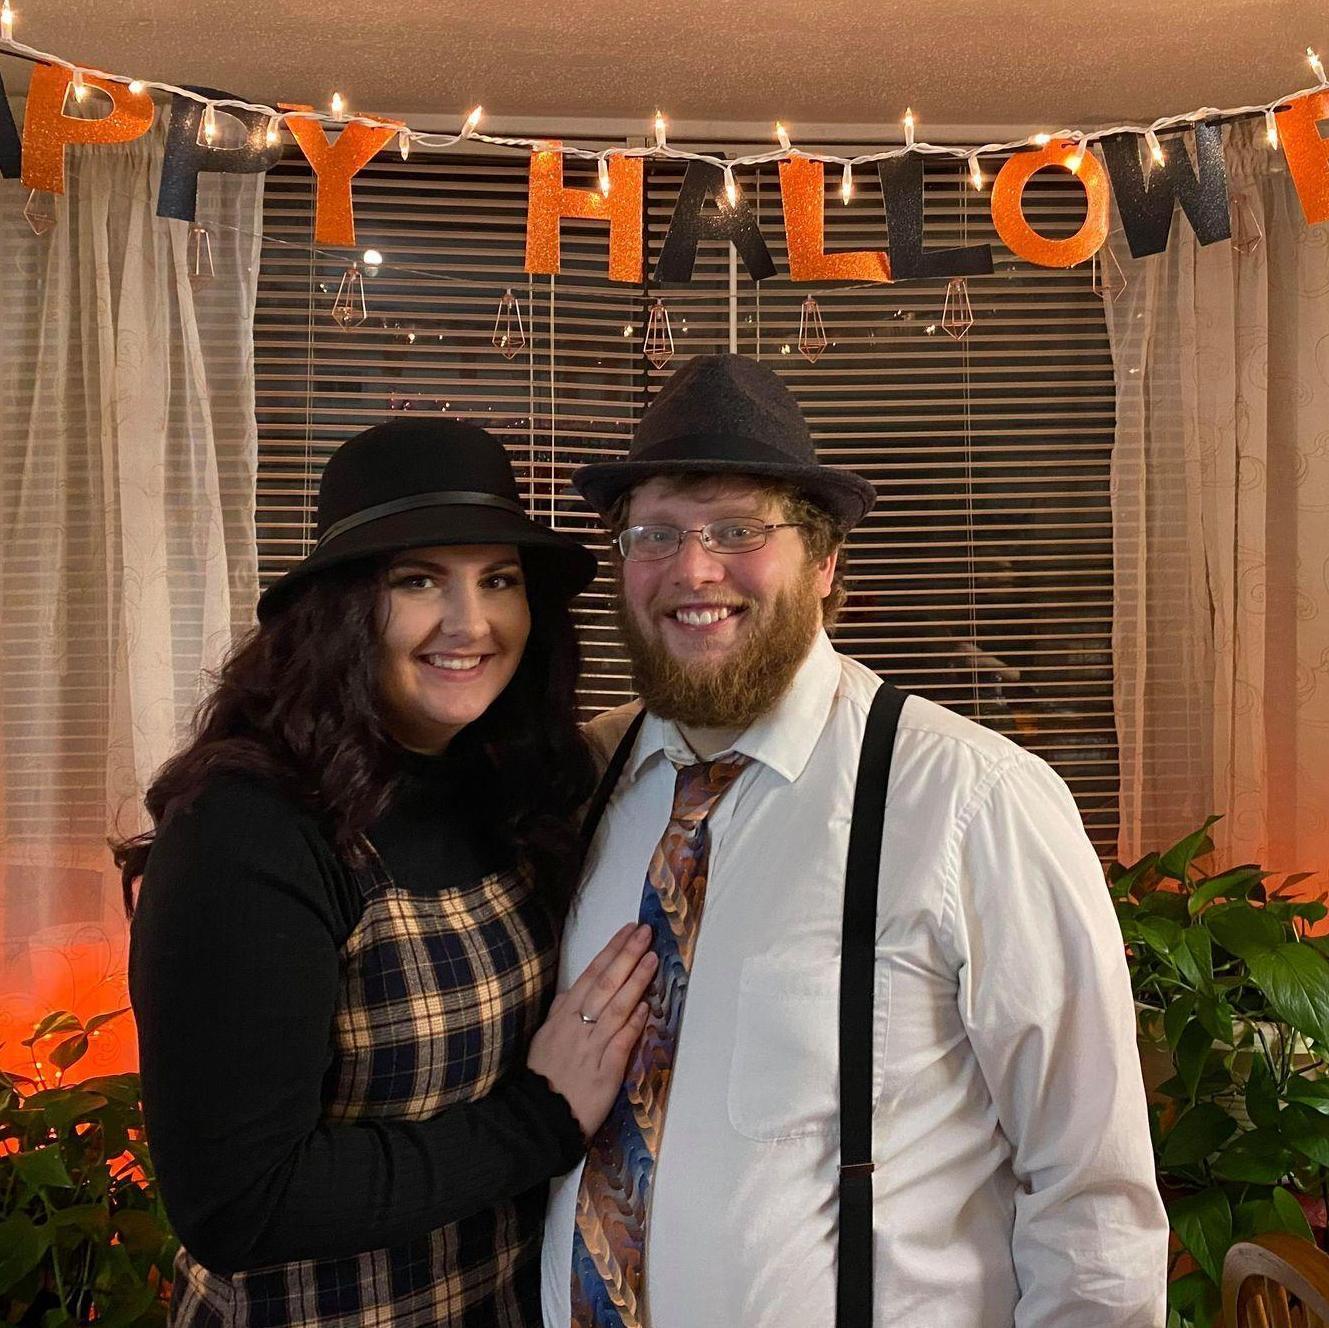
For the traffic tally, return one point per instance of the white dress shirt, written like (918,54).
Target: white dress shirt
(1014,1182)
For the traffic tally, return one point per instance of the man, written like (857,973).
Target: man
(1013,1180)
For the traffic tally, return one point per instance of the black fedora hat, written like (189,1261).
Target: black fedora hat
(727,415)
(409,483)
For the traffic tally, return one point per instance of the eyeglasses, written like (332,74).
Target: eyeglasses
(642,544)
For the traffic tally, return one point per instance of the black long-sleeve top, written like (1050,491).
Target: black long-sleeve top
(234,973)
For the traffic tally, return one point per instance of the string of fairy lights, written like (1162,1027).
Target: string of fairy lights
(349,307)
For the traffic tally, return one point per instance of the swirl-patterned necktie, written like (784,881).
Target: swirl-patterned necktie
(609,1242)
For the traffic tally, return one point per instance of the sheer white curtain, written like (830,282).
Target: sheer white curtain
(1221,528)
(127,551)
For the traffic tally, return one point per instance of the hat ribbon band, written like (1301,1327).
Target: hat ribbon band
(442,498)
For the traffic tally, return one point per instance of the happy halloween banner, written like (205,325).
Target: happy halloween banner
(1147,187)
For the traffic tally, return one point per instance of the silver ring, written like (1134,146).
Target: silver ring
(585,1018)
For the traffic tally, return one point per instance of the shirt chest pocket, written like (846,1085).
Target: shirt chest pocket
(784,1074)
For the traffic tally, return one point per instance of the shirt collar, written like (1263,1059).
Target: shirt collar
(782,739)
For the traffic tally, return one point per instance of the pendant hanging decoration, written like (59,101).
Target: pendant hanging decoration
(1145,168)
(957,314)
(1247,233)
(1107,280)
(348,306)
(39,212)
(811,331)
(509,335)
(199,257)
(659,344)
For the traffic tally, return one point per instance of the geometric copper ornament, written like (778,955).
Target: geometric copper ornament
(509,335)
(811,331)
(659,344)
(40,211)
(199,257)
(957,314)
(348,306)
(1108,280)
(1247,233)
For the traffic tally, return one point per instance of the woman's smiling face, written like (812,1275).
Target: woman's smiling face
(452,624)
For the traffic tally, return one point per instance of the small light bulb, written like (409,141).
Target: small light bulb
(209,124)
(372,258)
(1271,127)
(975,171)
(908,127)
(1076,159)
(472,121)
(846,183)
(730,187)
(6,21)
(659,130)
(1155,148)
(404,143)
(273,135)
(80,88)
(1317,68)
(781,133)
(603,168)
(627,329)
(338,105)
(1042,139)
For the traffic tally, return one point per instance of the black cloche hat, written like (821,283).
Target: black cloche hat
(727,415)
(409,483)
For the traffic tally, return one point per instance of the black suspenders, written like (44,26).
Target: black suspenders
(858,961)
(853,1292)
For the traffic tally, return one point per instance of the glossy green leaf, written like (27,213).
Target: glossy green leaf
(1306,1131)
(101,1020)
(1313,1093)
(1244,930)
(1162,935)
(22,1245)
(1176,862)
(1258,1156)
(1234,884)
(1216,1016)
(42,1168)
(1203,1223)
(1193,1050)
(1295,978)
(69,1052)
(1262,1094)
(1201,947)
(1291,1214)
(1202,1130)
(58,1021)
(1175,1018)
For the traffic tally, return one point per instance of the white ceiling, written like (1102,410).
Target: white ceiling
(854,62)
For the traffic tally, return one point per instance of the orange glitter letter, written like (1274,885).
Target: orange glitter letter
(550,201)
(802,192)
(47,130)
(335,164)
(1306,152)
(1008,211)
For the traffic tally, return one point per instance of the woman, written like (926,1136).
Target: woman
(346,935)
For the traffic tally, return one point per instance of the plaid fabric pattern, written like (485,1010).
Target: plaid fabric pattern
(440,994)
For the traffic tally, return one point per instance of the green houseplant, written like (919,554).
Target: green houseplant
(83,1237)
(1232,1001)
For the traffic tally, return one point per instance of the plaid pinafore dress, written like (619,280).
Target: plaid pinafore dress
(440,994)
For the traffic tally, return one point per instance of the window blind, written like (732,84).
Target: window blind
(983,578)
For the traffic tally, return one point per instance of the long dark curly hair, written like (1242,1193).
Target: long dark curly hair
(297,702)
